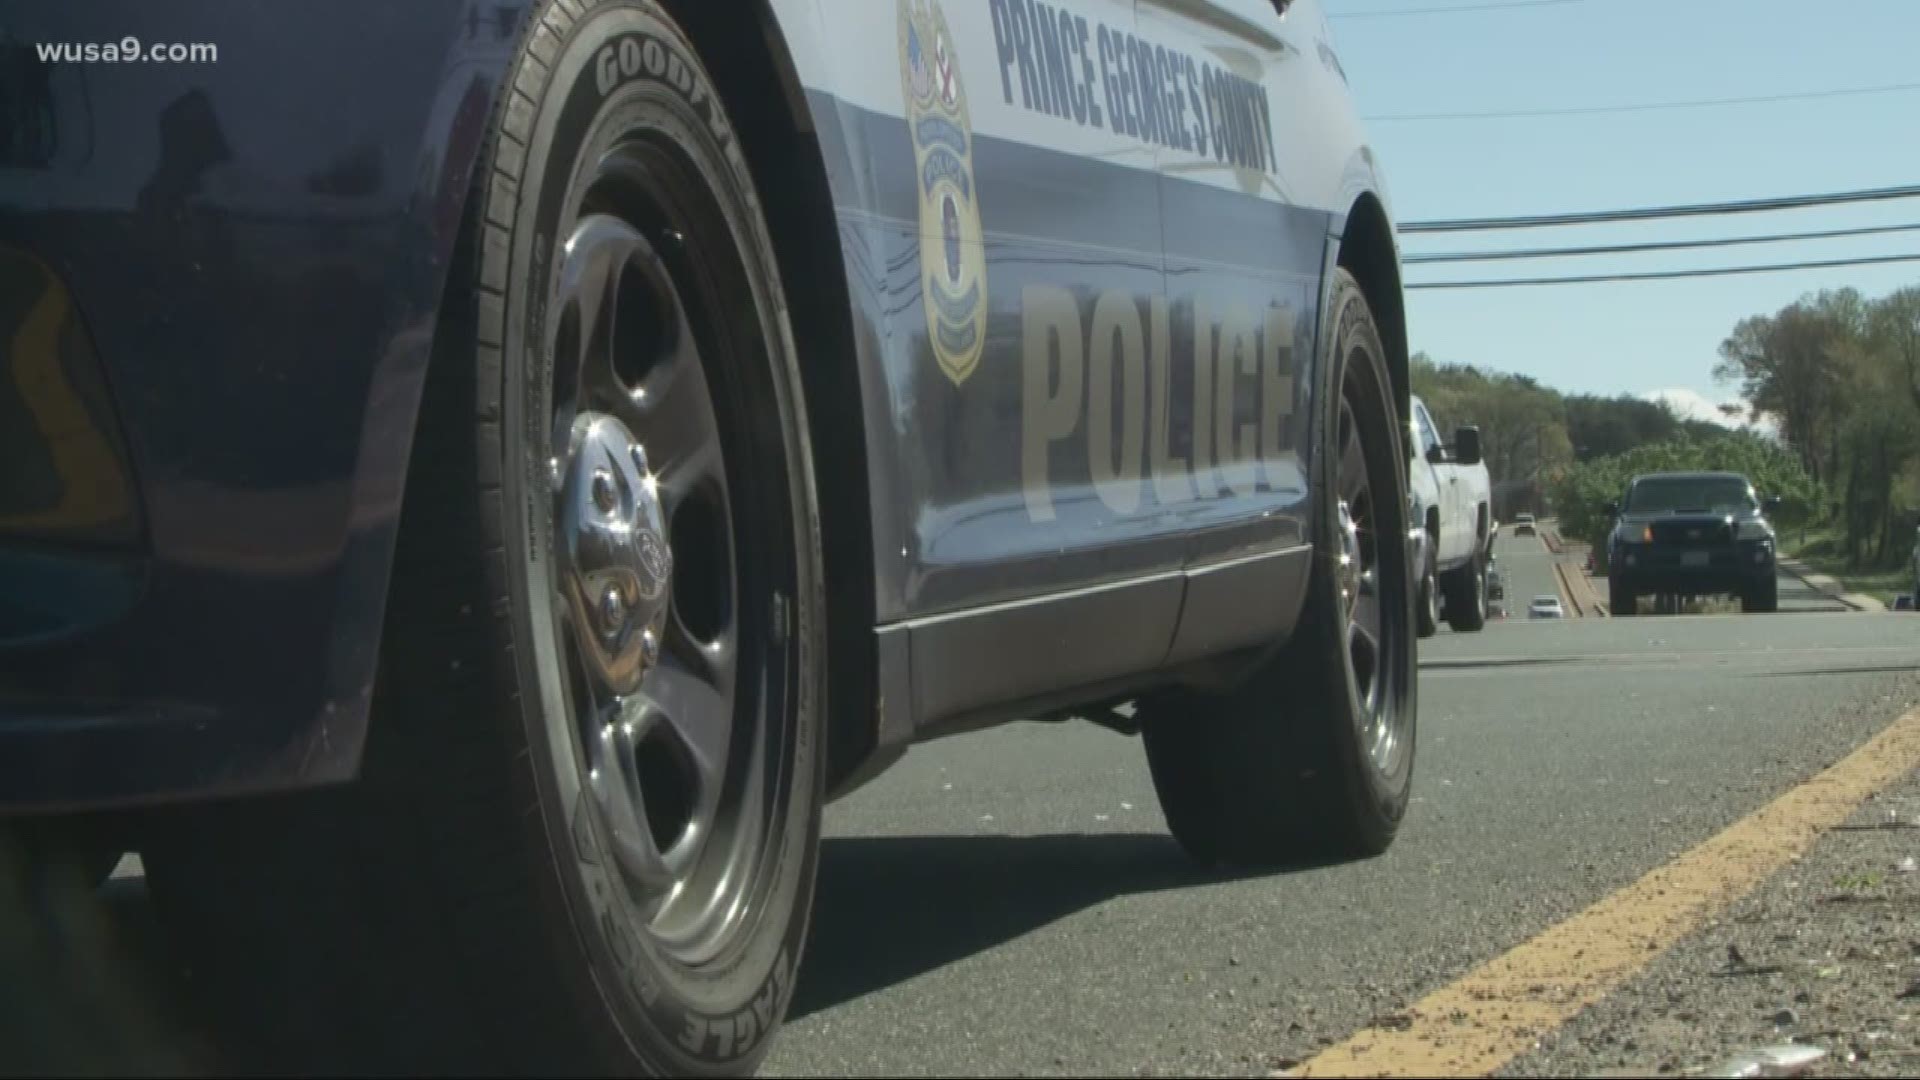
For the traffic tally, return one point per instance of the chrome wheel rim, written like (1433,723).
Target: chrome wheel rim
(659,667)
(1370,579)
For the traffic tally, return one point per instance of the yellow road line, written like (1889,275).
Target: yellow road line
(1497,1011)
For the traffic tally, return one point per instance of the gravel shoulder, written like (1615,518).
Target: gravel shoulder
(1825,953)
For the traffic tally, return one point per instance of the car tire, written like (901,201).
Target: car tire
(1761,599)
(1466,590)
(1427,605)
(584,835)
(1622,601)
(1312,756)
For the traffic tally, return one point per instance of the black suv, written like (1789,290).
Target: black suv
(1689,534)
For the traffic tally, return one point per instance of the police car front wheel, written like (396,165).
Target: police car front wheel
(584,835)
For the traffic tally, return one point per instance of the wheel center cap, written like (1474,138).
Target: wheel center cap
(619,565)
(1348,573)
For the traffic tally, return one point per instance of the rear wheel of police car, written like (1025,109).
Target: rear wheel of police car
(1312,756)
(584,837)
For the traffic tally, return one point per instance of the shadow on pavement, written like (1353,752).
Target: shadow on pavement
(87,986)
(92,986)
(890,908)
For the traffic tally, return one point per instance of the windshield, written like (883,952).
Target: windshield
(1696,494)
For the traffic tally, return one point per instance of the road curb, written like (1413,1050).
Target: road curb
(1828,586)
(1578,590)
(1566,590)
(1575,587)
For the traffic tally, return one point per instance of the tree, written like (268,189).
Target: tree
(1792,364)
(1894,327)
(1523,433)
(1843,375)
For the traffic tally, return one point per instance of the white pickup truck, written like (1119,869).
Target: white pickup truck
(1453,496)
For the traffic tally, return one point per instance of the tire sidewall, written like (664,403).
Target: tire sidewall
(1480,587)
(1429,600)
(720,1015)
(1355,331)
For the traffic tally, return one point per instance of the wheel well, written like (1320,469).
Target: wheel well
(1368,252)
(768,109)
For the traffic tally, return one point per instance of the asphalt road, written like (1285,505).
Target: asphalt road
(1797,595)
(1008,902)
(1527,567)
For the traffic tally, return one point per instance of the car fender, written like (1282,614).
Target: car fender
(258,245)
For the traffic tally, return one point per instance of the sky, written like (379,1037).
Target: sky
(1640,338)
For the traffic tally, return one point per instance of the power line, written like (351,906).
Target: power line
(1651,106)
(1663,275)
(1499,4)
(1667,245)
(1742,206)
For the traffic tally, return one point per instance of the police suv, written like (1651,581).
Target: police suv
(485,475)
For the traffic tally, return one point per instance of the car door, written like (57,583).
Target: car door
(1453,533)
(1245,255)
(1015,225)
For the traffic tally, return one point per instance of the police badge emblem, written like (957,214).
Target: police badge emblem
(953,265)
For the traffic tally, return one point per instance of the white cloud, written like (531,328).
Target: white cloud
(1693,405)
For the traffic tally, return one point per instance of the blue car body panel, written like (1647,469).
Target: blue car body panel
(256,246)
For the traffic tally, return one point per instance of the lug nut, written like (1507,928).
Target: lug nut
(649,647)
(613,609)
(603,496)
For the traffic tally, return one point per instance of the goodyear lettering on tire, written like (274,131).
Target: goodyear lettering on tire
(631,57)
